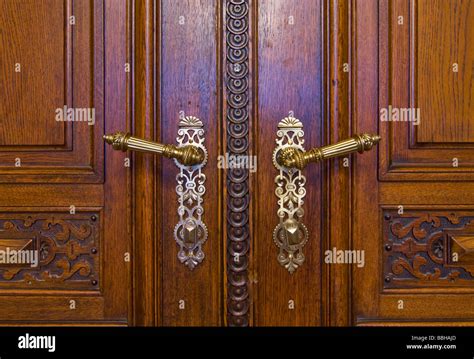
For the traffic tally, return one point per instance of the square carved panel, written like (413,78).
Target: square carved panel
(51,64)
(51,250)
(425,63)
(430,248)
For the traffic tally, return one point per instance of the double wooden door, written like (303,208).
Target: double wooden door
(128,238)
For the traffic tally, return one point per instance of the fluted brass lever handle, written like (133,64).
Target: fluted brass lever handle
(289,158)
(295,158)
(187,155)
(190,157)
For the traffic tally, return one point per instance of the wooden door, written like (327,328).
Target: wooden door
(176,75)
(103,221)
(403,209)
(412,202)
(290,66)
(241,67)
(62,195)
(246,76)
(389,231)
(236,66)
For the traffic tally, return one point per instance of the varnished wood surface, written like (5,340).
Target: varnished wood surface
(337,206)
(290,66)
(117,187)
(416,71)
(20,111)
(56,71)
(365,231)
(187,81)
(442,30)
(146,199)
(178,51)
(415,164)
(65,165)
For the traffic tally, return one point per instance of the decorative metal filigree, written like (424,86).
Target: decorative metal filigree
(290,235)
(191,233)
(237,143)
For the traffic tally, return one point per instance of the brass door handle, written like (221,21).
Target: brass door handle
(187,155)
(289,158)
(295,158)
(190,155)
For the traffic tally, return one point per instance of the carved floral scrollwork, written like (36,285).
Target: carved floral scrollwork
(67,247)
(418,249)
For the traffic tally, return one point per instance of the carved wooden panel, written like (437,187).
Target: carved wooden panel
(50,65)
(415,250)
(66,246)
(426,65)
(428,249)
(69,53)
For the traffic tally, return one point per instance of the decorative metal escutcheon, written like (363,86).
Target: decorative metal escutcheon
(190,233)
(290,235)
(190,156)
(290,158)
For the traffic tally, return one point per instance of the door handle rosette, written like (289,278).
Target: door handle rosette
(190,156)
(290,158)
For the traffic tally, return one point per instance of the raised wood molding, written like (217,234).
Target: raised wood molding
(420,54)
(146,199)
(45,93)
(74,154)
(117,191)
(336,285)
(364,183)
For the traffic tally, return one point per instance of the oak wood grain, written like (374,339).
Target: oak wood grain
(187,81)
(415,165)
(416,72)
(445,97)
(65,165)
(59,69)
(289,79)
(30,97)
(146,202)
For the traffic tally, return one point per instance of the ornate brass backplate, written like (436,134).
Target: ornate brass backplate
(190,233)
(290,235)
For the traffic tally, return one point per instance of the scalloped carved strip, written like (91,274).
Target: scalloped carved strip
(237,111)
